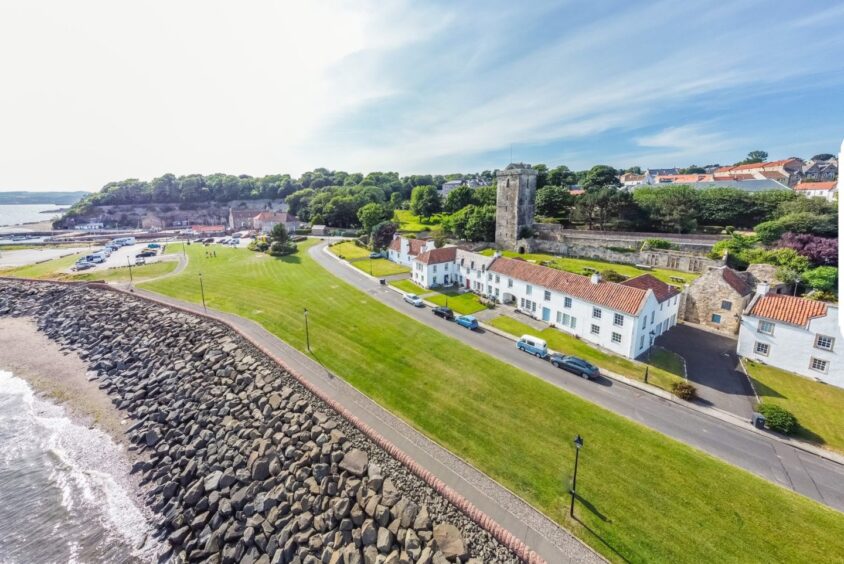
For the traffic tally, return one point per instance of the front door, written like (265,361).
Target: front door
(467,284)
(546,314)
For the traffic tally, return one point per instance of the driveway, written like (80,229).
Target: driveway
(712,364)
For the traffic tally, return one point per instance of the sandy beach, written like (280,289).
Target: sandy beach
(58,375)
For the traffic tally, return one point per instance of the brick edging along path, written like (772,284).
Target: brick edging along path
(502,535)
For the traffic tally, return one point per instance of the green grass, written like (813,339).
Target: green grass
(409,286)
(567,344)
(379,267)
(653,498)
(668,361)
(409,223)
(143,272)
(819,408)
(49,269)
(349,250)
(580,266)
(464,304)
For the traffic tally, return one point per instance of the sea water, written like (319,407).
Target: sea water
(16,214)
(64,492)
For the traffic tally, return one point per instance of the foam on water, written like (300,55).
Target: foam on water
(64,496)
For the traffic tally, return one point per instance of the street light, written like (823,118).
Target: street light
(578,444)
(129,262)
(202,290)
(307,332)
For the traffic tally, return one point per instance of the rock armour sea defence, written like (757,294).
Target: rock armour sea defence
(237,459)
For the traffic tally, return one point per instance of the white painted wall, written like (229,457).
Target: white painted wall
(792,348)
(433,275)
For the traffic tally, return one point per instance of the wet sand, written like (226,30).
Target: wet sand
(58,375)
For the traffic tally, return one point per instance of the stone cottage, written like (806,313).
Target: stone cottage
(717,299)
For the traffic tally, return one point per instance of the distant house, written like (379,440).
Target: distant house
(767,274)
(403,250)
(826,190)
(683,178)
(821,171)
(794,334)
(320,230)
(452,184)
(241,219)
(152,222)
(717,299)
(207,230)
(654,172)
(266,220)
(787,171)
(435,268)
(748,185)
(630,180)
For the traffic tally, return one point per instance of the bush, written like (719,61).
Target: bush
(778,418)
(684,390)
(657,244)
(621,249)
(612,276)
(260,246)
(278,249)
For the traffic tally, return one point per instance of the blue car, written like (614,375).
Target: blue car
(468,322)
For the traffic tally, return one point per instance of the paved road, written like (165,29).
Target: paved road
(781,463)
(712,364)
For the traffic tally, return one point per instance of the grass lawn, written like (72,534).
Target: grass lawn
(349,250)
(409,286)
(567,344)
(143,272)
(579,266)
(819,408)
(49,269)
(653,499)
(379,267)
(668,361)
(409,223)
(464,304)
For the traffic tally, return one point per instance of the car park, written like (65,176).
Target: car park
(413,300)
(82,265)
(575,365)
(532,345)
(468,322)
(444,312)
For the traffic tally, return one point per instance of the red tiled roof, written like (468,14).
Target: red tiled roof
(754,166)
(816,185)
(437,256)
(577,192)
(661,290)
(681,178)
(395,244)
(416,246)
(774,174)
(615,296)
(735,281)
(208,228)
(278,217)
(790,309)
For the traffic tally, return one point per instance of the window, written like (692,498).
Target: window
(824,342)
(489,277)
(547,295)
(509,282)
(566,302)
(435,268)
(497,279)
(618,319)
(641,341)
(528,289)
(819,365)
(472,265)
(573,322)
(596,330)
(715,318)
(726,305)
(762,348)
(616,337)
(596,312)
(644,321)
(766,327)
(496,292)
(652,317)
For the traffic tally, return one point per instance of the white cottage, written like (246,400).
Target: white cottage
(435,268)
(794,334)
(403,250)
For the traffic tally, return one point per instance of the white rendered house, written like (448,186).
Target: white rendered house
(435,268)
(403,250)
(794,334)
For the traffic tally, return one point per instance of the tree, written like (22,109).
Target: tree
(823,157)
(671,208)
(473,223)
(562,176)
(424,201)
(754,157)
(486,195)
(553,201)
(693,169)
(458,199)
(725,206)
(382,234)
(770,231)
(821,251)
(541,175)
(396,200)
(371,215)
(823,278)
(634,170)
(600,176)
(279,233)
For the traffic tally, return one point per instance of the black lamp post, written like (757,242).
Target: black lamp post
(202,291)
(129,262)
(578,444)
(307,332)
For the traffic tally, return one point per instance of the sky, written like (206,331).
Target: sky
(95,91)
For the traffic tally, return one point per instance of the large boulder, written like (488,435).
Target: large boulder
(355,462)
(449,541)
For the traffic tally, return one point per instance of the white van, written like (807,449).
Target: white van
(533,345)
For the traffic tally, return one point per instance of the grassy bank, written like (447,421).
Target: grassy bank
(819,408)
(143,272)
(49,269)
(409,223)
(650,499)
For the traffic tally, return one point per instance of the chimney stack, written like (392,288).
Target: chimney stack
(595,278)
(762,288)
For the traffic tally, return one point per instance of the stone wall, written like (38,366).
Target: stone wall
(239,460)
(705,296)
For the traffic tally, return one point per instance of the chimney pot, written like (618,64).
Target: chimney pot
(762,288)
(595,278)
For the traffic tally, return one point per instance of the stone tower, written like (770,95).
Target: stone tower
(515,203)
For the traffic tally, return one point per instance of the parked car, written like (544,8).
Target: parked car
(374,255)
(414,300)
(154,246)
(146,253)
(139,260)
(468,322)
(82,265)
(444,312)
(533,345)
(575,365)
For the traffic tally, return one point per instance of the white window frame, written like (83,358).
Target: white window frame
(825,363)
(763,324)
(567,302)
(595,330)
(819,338)
(618,320)
(762,348)
(596,313)
(616,337)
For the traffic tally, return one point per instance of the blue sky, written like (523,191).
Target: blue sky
(99,90)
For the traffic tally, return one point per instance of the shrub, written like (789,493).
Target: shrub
(621,249)
(612,276)
(260,246)
(778,418)
(525,232)
(684,390)
(657,244)
(278,249)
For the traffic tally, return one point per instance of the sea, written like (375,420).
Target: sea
(16,214)
(64,489)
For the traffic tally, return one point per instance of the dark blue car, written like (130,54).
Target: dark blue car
(468,322)
(575,365)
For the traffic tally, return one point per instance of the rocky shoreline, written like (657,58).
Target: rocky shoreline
(239,461)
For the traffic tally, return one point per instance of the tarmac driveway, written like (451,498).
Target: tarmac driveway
(713,367)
